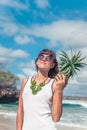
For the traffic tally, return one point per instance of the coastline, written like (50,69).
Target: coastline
(71,107)
(9,123)
(75,98)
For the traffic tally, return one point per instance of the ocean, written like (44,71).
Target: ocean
(74,112)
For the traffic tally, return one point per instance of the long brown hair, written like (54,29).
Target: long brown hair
(52,72)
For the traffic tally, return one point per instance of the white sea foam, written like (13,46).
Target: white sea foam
(74,113)
(7,113)
(76,102)
(7,110)
(71,125)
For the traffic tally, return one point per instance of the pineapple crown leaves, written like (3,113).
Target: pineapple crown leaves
(70,66)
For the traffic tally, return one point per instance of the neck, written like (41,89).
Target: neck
(42,75)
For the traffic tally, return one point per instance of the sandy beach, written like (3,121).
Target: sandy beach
(9,123)
(64,127)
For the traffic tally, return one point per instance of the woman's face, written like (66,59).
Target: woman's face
(45,62)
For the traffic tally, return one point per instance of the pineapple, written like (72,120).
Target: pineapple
(70,66)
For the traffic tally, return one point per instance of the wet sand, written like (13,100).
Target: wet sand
(7,123)
(64,127)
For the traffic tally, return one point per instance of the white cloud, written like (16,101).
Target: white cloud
(29,72)
(42,3)
(19,54)
(74,81)
(28,69)
(4,51)
(83,73)
(14,4)
(67,32)
(77,80)
(8,55)
(21,76)
(76,90)
(29,65)
(7,27)
(23,39)
(82,77)
(3,17)
(5,60)
(10,29)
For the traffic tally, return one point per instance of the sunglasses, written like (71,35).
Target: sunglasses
(44,57)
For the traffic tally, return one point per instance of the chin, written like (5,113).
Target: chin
(44,66)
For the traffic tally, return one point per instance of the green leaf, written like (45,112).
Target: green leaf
(70,66)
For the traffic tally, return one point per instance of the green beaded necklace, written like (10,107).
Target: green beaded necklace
(36,88)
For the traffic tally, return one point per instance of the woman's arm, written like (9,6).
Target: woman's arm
(58,86)
(19,118)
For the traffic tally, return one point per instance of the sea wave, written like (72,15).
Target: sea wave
(8,109)
(6,113)
(72,125)
(74,112)
(75,103)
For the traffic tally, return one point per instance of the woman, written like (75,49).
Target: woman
(40,101)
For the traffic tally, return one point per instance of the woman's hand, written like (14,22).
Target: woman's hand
(58,86)
(60,81)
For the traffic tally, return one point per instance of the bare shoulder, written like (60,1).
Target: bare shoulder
(24,81)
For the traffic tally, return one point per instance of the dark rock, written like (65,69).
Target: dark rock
(9,95)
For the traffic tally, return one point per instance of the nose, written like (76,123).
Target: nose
(44,58)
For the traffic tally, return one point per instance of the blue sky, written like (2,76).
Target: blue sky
(28,26)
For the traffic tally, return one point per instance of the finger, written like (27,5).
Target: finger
(59,77)
(65,79)
(63,76)
(56,78)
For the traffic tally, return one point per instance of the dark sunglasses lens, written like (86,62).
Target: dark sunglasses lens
(41,57)
(48,58)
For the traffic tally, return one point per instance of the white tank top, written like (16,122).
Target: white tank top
(37,108)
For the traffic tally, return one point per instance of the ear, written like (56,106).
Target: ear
(52,65)
(36,62)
